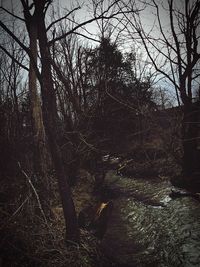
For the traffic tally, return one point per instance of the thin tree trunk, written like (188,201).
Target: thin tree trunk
(52,130)
(190,126)
(41,155)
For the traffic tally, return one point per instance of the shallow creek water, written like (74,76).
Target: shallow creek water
(148,228)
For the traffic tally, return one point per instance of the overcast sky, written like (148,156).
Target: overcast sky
(148,15)
(81,15)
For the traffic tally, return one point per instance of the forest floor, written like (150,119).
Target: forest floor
(28,240)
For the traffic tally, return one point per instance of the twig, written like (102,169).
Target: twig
(7,214)
(10,13)
(35,192)
(18,209)
(89,145)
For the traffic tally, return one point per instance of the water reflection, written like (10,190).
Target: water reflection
(148,228)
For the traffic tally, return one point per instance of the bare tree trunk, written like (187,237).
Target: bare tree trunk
(190,126)
(41,155)
(52,130)
(181,53)
(38,128)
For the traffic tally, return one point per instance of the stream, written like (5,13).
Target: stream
(149,228)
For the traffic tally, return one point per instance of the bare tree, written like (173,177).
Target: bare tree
(35,12)
(11,97)
(41,154)
(174,53)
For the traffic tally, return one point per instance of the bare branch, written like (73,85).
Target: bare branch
(26,49)
(2,25)
(35,192)
(161,28)
(64,17)
(10,13)
(102,16)
(178,53)
(87,37)
(13,58)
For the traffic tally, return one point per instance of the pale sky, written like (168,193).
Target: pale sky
(80,15)
(148,16)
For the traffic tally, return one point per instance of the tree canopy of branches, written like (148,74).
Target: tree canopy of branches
(174,53)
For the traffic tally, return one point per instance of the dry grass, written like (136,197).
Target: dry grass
(27,240)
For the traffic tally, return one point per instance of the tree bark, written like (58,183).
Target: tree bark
(36,111)
(51,122)
(41,155)
(190,131)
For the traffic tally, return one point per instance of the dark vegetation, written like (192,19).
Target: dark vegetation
(98,104)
